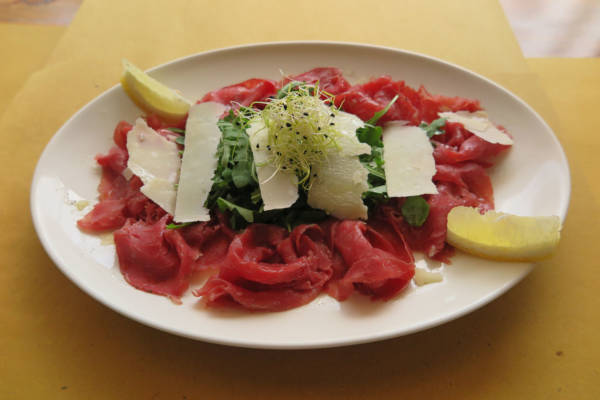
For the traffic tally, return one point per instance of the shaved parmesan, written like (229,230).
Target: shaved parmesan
(341,180)
(348,143)
(425,277)
(278,188)
(199,161)
(478,124)
(155,160)
(338,187)
(409,164)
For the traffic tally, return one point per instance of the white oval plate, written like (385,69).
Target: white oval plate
(533,179)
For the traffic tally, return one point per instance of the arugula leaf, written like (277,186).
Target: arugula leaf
(177,130)
(245,213)
(381,189)
(180,140)
(241,174)
(376,171)
(415,210)
(373,163)
(234,177)
(310,215)
(435,128)
(255,196)
(374,196)
(381,113)
(288,88)
(177,226)
(299,213)
(235,184)
(370,134)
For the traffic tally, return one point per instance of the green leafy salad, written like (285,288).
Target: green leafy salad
(301,129)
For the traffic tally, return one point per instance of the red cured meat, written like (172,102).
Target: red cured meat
(267,269)
(105,216)
(116,159)
(458,185)
(386,223)
(211,238)
(219,292)
(120,134)
(458,145)
(412,105)
(431,105)
(244,93)
(156,123)
(112,185)
(153,258)
(330,80)
(108,214)
(367,99)
(142,208)
(375,267)
(472,183)
(431,236)
(119,199)
(139,206)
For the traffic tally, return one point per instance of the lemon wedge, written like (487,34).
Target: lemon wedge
(501,236)
(153,96)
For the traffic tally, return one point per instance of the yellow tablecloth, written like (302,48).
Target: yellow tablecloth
(25,49)
(539,340)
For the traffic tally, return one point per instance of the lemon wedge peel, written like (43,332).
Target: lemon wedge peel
(501,236)
(152,96)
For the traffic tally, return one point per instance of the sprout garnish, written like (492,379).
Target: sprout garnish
(301,129)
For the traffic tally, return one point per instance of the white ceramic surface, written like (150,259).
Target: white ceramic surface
(533,179)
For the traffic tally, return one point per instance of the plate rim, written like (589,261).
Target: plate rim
(257,344)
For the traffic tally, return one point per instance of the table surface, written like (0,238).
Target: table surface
(559,28)
(539,340)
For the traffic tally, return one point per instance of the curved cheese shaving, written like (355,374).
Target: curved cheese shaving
(155,160)
(409,164)
(478,124)
(340,181)
(199,162)
(278,188)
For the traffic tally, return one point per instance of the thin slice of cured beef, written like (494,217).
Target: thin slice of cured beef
(112,185)
(367,99)
(464,184)
(243,93)
(119,199)
(153,258)
(375,265)
(109,213)
(120,134)
(116,159)
(471,183)
(211,238)
(156,123)
(412,105)
(268,269)
(330,79)
(458,145)
(431,105)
